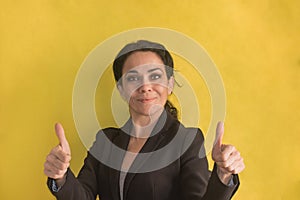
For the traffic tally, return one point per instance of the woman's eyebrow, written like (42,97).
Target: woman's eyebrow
(132,71)
(150,70)
(154,69)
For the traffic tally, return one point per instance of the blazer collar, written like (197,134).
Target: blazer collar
(160,130)
(164,123)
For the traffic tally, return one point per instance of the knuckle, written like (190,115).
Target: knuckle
(54,150)
(56,171)
(232,148)
(63,166)
(47,166)
(49,158)
(243,166)
(61,172)
(59,166)
(64,158)
(230,168)
(66,165)
(242,159)
(226,165)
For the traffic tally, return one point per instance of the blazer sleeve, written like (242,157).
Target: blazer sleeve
(196,181)
(84,187)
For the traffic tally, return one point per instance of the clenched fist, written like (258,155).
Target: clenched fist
(227,157)
(58,160)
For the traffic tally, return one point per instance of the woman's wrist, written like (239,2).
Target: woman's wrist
(223,176)
(61,181)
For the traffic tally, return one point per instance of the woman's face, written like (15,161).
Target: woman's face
(145,85)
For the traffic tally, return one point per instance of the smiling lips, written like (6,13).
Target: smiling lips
(146,100)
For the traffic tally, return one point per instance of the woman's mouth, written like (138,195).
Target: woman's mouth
(146,100)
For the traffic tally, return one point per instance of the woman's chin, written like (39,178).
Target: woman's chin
(150,110)
(155,109)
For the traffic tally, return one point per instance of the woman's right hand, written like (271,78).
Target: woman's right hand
(58,160)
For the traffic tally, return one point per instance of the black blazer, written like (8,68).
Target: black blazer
(185,178)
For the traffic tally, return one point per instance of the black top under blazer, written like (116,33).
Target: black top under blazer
(186,178)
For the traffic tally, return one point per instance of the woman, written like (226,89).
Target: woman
(144,75)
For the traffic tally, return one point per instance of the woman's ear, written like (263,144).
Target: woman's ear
(170,85)
(121,91)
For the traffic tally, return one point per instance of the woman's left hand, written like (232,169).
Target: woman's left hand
(227,157)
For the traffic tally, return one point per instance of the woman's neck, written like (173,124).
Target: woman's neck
(144,124)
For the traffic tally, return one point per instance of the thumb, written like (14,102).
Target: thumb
(219,136)
(62,138)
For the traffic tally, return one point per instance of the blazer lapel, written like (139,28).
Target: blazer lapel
(120,141)
(152,144)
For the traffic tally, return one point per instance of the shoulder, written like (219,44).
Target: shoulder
(193,142)
(105,138)
(186,136)
(192,135)
(110,133)
(106,143)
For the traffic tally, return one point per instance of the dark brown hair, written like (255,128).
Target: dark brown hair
(144,45)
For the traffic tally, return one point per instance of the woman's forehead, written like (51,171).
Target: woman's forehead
(141,58)
(145,68)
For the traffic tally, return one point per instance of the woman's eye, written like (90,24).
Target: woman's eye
(155,76)
(132,78)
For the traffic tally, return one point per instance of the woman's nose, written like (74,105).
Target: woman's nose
(145,87)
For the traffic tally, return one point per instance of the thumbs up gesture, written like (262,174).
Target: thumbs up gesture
(58,160)
(227,157)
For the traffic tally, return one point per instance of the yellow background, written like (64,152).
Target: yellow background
(255,45)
